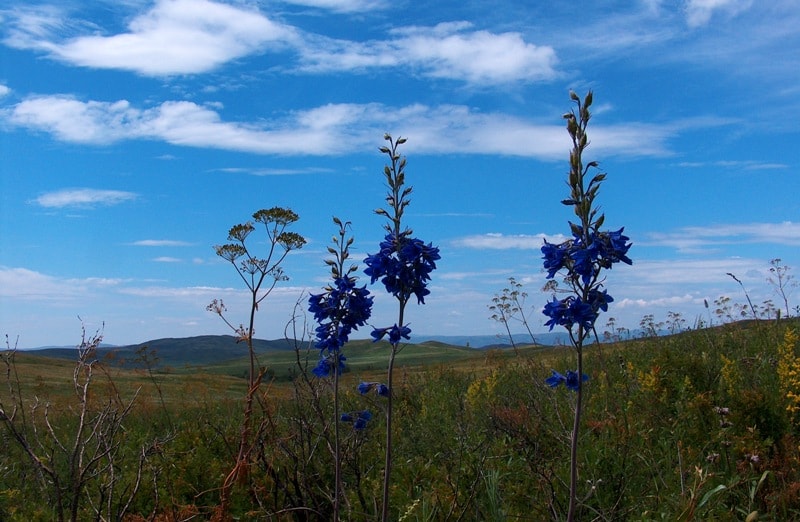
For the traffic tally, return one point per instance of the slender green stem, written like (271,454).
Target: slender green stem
(337,451)
(389,416)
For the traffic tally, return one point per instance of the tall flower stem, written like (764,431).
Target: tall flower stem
(576,424)
(397,200)
(337,454)
(403,265)
(339,310)
(387,466)
(583,257)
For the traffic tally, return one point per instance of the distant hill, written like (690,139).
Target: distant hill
(176,352)
(494,341)
(210,350)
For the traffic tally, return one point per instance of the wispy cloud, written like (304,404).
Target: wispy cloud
(167,259)
(660,302)
(699,12)
(330,129)
(275,171)
(29,285)
(177,37)
(497,241)
(697,239)
(4,90)
(448,50)
(734,164)
(161,243)
(343,6)
(694,272)
(83,198)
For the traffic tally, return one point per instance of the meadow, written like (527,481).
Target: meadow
(701,424)
(698,425)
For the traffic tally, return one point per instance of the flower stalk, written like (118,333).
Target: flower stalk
(403,264)
(581,259)
(339,310)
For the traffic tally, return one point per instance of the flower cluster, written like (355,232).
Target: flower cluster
(327,363)
(586,258)
(340,310)
(573,310)
(570,380)
(358,419)
(396,333)
(403,264)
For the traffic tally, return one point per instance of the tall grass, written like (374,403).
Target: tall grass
(692,426)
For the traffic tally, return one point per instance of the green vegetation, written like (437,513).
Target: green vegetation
(699,425)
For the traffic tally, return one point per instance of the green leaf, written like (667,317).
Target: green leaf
(710,494)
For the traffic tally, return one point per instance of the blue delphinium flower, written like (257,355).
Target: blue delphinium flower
(358,419)
(403,264)
(554,258)
(396,333)
(339,310)
(570,380)
(570,311)
(581,259)
(326,364)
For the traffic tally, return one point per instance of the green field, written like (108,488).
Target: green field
(694,426)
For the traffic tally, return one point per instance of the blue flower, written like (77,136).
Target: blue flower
(325,365)
(569,311)
(395,334)
(340,310)
(599,300)
(583,259)
(619,246)
(570,380)
(403,265)
(358,419)
(554,258)
(379,388)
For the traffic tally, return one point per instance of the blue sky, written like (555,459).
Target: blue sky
(135,133)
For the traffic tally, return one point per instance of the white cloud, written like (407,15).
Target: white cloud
(660,302)
(343,6)
(448,50)
(161,243)
(197,36)
(695,272)
(693,239)
(699,12)
(83,197)
(4,90)
(274,171)
(167,259)
(735,164)
(496,241)
(329,129)
(28,285)
(173,37)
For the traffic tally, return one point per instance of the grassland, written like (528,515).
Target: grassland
(694,426)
